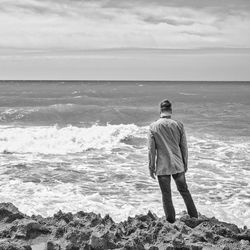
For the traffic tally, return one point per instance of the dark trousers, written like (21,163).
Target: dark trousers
(165,185)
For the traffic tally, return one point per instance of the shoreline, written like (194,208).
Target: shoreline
(86,231)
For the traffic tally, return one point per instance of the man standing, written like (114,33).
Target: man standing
(168,156)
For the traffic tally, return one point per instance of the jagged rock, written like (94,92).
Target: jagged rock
(77,236)
(153,248)
(164,246)
(134,244)
(197,237)
(9,213)
(59,232)
(101,242)
(86,247)
(7,230)
(67,217)
(178,240)
(195,247)
(146,218)
(7,245)
(182,227)
(232,227)
(52,246)
(221,230)
(89,219)
(166,234)
(244,235)
(193,222)
(28,229)
(89,231)
(107,220)
(72,246)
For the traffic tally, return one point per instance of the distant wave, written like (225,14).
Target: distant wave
(70,139)
(184,93)
(71,113)
(41,113)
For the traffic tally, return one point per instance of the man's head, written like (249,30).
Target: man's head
(166,106)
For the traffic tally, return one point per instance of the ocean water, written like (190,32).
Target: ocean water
(83,146)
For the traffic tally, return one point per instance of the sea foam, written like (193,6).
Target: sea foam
(65,140)
(104,169)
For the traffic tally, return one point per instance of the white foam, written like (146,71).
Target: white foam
(46,200)
(55,140)
(112,175)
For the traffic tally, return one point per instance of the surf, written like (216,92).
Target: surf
(69,139)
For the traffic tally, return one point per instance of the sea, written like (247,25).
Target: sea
(82,145)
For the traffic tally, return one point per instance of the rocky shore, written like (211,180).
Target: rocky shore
(87,231)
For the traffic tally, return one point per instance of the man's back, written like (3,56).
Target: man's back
(167,146)
(167,141)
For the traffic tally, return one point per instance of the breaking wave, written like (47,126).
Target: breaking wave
(112,176)
(70,139)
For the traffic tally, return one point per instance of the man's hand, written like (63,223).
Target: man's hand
(152,173)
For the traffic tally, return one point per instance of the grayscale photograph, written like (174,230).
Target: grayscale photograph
(124,124)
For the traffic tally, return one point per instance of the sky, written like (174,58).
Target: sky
(125,40)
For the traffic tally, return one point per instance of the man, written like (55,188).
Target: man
(168,156)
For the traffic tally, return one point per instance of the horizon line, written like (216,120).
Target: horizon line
(181,81)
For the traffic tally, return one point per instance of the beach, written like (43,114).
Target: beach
(82,146)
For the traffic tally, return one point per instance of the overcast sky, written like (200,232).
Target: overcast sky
(146,39)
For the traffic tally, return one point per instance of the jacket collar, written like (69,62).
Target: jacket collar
(165,115)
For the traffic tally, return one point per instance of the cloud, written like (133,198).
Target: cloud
(95,24)
(175,22)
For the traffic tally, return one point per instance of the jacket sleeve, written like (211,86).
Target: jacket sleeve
(184,147)
(151,150)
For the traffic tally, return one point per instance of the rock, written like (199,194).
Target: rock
(9,213)
(101,242)
(232,227)
(29,229)
(152,215)
(52,246)
(182,227)
(153,248)
(133,244)
(89,219)
(193,222)
(197,237)
(221,230)
(244,235)
(89,231)
(178,240)
(78,236)
(72,246)
(59,232)
(86,247)
(7,230)
(107,220)
(7,245)
(98,242)
(164,246)
(146,218)
(195,247)
(67,217)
